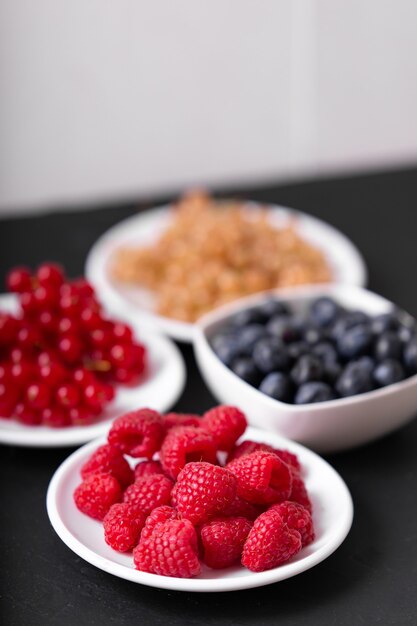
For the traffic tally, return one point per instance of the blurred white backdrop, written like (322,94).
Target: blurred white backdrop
(109,100)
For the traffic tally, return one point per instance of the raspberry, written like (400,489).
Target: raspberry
(270,543)
(289,458)
(247,447)
(122,527)
(204,490)
(149,492)
(158,516)
(262,478)
(297,518)
(148,468)
(299,492)
(226,424)
(138,433)
(223,541)
(95,495)
(181,419)
(241,508)
(170,551)
(107,459)
(184,444)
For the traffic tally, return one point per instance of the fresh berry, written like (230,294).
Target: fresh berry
(270,543)
(171,551)
(138,433)
(262,478)
(388,372)
(184,444)
(226,424)
(67,395)
(50,274)
(108,459)
(38,395)
(181,419)
(247,447)
(298,518)
(26,414)
(410,356)
(245,368)
(388,346)
(148,492)
(278,386)
(158,516)
(356,378)
(204,490)
(270,355)
(19,280)
(55,417)
(96,494)
(313,392)
(241,508)
(299,492)
(285,328)
(148,468)
(308,368)
(122,527)
(223,541)
(249,336)
(355,342)
(324,311)
(246,317)
(227,348)
(289,458)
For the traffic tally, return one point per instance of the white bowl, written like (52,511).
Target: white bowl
(325,426)
(159,390)
(131,302)
(332,515)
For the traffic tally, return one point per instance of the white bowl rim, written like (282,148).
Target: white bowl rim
(292,294)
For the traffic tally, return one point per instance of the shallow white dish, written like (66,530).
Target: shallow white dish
(159,390)
(139,230)
(325,426)
(332,513)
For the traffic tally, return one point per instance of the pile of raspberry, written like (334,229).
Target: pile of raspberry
(60,357)
(195,495)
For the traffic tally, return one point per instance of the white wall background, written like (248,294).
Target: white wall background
(105,99)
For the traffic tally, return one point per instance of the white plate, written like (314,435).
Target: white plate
(139,230)
(333,514)
(159,390)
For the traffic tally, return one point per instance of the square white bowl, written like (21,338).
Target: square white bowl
(325,426)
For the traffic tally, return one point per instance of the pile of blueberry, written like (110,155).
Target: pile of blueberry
(325,353)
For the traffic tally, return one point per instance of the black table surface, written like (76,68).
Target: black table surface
(370,579)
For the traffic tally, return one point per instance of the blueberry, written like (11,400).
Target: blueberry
(270,355)
(388,346)
(366,362)
(324,311)
(346,322)
(249,335)
(284,327)
(307,368)
(382,323)
(325,351)
(297,349)
(248,316)
(410,356)
(227,351)
(313,335)
(278,386)
(406,333)
(246,369)
(332,371)
(388,372)
(313,392)
(270,308)
(356,378)
(355,342)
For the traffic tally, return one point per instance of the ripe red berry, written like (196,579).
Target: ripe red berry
(203,490)
(298,518)
(262,478)
(94,396)
(70,348)
(19,280)
(47,322)
(55,417)
(122,355)
(122,527)
(223,541)
(9,396)
(96,494)
(158,516)
(80,415)
(110,460)
(38,396)
(138,433)
(148,468)
(50,274)
(28,303)
(184,444)
(270,543)
(181,419)
(171,550)
(22,373)
(27,415)
(46,297)
(83,287)
(89,318)
(53,373)
(226,424)
(28,336)
(148,492)
(67,326)
(67,395)
(122,333)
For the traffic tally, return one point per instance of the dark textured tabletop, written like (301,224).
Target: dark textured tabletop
(370,579)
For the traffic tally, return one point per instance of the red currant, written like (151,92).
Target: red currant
(46,297)
(122,355)
(101,337)
(22,373)
(124,376)
(9,327)
(28,336)
(68,395)
(80,415)
(70,348)
(67,325)
(122,333)
(84,288)
(38,395)
(55,417)
(9,395)
(95,396)
(83,377)
(70,304)
(19,280)
(29,303)
(27,415)
(90,319)
(53,373)
(47,321)
(5,375)
(50,274)
(17,355)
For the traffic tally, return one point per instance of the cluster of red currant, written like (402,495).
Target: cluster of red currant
(60,358)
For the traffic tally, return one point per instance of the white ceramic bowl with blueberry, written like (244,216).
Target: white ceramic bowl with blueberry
(330,366)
